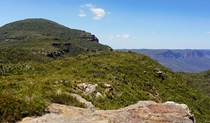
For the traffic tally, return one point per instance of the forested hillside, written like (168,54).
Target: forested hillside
(43,40)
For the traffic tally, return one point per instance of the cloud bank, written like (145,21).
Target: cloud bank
(99,13)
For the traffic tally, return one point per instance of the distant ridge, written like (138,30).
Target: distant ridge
(180,60)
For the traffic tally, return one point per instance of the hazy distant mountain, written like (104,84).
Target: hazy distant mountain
(180,60)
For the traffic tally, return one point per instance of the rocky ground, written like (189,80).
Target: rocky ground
(141,112)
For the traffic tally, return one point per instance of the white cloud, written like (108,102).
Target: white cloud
(82,14)
(123,36)
(89,5)
(208,32)
(98,12)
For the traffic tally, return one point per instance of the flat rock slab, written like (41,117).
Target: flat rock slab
(141,112)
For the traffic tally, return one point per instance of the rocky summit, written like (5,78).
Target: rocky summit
(141,112)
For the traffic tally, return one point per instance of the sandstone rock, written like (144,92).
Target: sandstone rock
(88,88)
(91,88)
(107,85)
(142,112)
(108,89)
(88,104)
(90,37)
(98,94)
(82,85)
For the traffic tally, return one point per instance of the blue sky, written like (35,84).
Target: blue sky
(149,24)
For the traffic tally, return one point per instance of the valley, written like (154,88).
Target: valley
(43,64)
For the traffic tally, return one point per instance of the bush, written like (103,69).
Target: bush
(65,98)
(13,108)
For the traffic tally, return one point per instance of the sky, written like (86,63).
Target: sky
(123,24)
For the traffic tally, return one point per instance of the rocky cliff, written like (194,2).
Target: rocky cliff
(141,112)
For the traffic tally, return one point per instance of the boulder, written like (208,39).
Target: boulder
(141,112)
(107,87)
(91,88)
(88,88)
(82,86)
(98,94)
(88,104)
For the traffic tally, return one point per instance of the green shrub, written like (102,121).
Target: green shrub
(13,108)
(132,78)
(66,99)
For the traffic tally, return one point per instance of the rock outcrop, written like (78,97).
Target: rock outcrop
(88,88)
(90,37)
(142,112)
(88,104)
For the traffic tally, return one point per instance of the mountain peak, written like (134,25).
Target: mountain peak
(29,23)
(37,36)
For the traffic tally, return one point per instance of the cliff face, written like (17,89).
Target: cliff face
(141,112)
(90,37)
